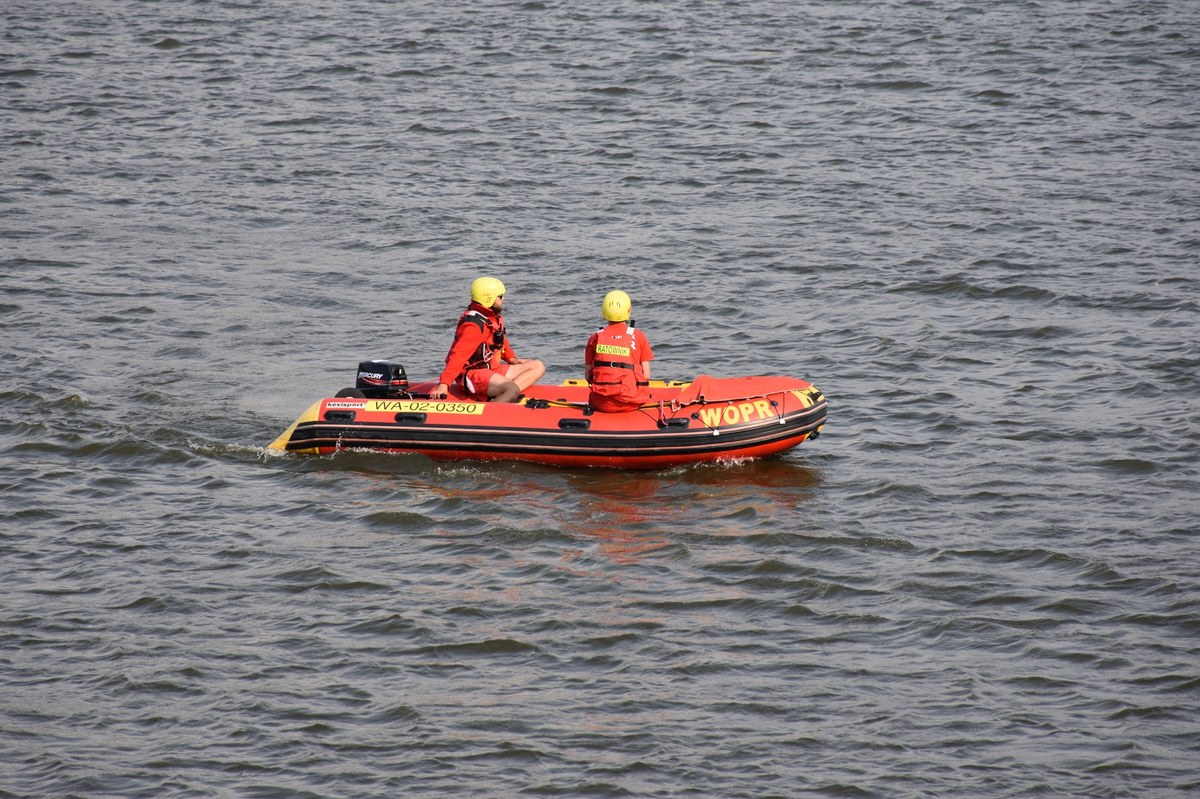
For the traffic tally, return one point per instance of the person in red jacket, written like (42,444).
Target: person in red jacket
(481,357)
(616,362)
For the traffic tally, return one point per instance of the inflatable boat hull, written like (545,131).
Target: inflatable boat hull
(709,419)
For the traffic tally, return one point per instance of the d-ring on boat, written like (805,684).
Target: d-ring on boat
(707,419)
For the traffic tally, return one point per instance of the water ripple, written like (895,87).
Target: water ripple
(972,226)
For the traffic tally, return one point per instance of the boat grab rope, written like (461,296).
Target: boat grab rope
(777,407)
(676,406)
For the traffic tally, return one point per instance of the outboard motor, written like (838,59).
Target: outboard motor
(381,380)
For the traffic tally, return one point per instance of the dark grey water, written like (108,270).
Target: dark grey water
(975,226)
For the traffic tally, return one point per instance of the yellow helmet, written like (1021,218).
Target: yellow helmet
(485,290)
(617,306)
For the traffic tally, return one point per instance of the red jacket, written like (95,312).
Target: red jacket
(479,343)
(615,354)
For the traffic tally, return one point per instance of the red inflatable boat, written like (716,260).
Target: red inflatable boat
(708,419)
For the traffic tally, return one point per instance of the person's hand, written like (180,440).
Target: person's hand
(441,392)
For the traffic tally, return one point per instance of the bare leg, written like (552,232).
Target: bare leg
(501,389)
(526,373)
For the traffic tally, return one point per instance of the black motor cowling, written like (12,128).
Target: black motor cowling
(381,379)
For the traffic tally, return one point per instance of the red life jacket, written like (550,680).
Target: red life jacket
(488,354)
(617,380)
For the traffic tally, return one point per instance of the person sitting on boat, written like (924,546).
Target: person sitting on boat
(616,362)
(481,357)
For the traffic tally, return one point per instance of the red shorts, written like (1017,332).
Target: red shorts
(475,381)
